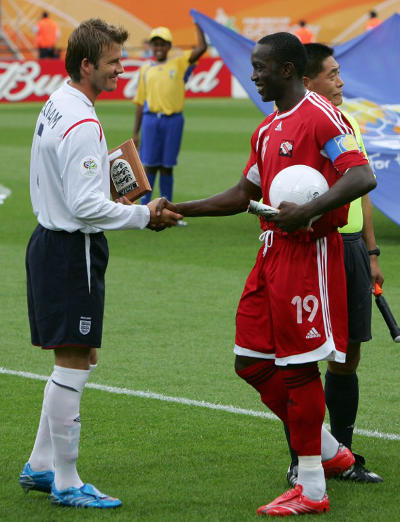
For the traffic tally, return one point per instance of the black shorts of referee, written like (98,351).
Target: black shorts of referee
(359,296)
(65,287)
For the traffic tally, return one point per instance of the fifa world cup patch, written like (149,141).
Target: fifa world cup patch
(89,166)
(286,148)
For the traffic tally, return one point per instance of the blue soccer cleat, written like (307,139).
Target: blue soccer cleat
(87,496)
(37,480)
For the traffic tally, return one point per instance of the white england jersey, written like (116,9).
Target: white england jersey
(70,170)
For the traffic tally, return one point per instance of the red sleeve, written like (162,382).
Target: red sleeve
(330,123)
(253,155)
(254,143)
(351,158)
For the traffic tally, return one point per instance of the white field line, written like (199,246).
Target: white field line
(188,402)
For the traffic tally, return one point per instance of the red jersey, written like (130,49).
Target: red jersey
(313,133)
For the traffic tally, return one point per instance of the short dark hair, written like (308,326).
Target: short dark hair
(88,41)
(287,48)
(316,54)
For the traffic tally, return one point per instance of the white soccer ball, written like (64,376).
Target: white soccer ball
(297,184)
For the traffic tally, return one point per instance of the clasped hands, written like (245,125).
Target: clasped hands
(163,213)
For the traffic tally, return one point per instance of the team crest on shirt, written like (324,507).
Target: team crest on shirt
(346,142)
(85,324)
(89,166)
(286,148)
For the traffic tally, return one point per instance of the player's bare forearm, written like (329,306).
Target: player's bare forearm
(368,226)
(201,46)
(138,123)
(355,183)
(352,185)
(369,238)
(232,201)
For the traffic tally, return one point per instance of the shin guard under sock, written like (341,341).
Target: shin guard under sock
(41,458)
(62,408)
(306,408)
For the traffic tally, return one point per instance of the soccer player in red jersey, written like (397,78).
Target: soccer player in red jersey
(293,310)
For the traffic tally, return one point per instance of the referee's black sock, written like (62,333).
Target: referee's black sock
(293,454)
(341,396)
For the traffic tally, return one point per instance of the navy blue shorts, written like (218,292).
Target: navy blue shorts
(65,287)
(359,296)
(161,138)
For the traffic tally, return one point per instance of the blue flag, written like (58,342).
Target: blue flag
(235,51)
(371,77)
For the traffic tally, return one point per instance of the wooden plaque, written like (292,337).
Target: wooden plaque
(128,177)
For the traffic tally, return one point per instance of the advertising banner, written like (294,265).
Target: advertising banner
(35,80)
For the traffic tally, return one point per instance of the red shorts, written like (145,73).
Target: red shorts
(294,304)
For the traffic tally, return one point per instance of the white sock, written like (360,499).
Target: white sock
(62,408)
(92,368)
(41,458)
(329,445)
(311,477)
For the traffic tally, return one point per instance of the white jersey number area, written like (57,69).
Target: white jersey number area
(309,304)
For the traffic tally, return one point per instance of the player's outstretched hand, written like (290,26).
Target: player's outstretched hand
(291,217)
(163,214)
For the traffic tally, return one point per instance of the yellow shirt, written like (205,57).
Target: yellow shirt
(355,218)
(161,85)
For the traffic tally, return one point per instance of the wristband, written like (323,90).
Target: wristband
(375,252)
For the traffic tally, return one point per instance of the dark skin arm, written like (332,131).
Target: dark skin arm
(355,183)
(231,201)
(201,46)
(138,123)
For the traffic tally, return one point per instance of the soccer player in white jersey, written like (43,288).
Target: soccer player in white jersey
(293,312)
(67,254)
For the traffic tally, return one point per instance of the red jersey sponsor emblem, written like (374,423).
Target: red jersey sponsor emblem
(286,148)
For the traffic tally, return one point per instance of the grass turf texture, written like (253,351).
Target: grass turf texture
(169,327)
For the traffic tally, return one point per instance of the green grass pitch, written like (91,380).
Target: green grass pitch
(169,328)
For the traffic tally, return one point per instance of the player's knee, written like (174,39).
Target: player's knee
(350,366)
(72,357)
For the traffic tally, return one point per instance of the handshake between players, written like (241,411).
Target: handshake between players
(163,213)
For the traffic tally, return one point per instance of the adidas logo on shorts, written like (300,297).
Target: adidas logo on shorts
(313,333)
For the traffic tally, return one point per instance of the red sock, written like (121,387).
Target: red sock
(306,408)
(267,379)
